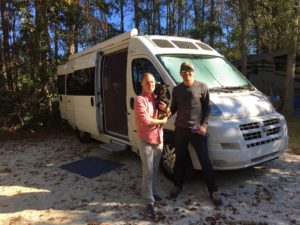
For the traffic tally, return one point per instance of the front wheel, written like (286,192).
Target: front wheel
(167,163)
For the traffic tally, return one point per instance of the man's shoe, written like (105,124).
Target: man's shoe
(150,213)
(216,198)
(175,191)
(157,198)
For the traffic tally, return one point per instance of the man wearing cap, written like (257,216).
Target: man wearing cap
(190,100)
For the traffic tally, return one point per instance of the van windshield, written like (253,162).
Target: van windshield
(216,72)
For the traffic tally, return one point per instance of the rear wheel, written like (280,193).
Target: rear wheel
(83,136)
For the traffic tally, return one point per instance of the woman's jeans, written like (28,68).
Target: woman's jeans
(150,155)
(182,138)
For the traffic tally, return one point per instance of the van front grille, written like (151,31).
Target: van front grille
(262,142)
(249,126)
(252,136)
(273,131)
(271,122)
(260,133)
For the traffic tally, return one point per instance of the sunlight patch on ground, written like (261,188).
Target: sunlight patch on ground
(48,216)
(112,204)
(291,158)
(18,190)
(279,171)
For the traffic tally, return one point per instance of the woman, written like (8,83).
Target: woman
(150,134)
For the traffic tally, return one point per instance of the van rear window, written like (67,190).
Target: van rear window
(81,82)
(61,84)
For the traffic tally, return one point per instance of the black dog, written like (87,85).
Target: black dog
(162,95)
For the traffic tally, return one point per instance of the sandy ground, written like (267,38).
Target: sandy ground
(34,190)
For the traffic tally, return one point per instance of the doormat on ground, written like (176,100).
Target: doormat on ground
(91,167)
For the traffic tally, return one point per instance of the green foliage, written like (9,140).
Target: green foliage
(42,34)
(204,29)
(276,24)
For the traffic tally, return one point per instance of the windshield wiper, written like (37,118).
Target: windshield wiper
(230,88)
(220,89)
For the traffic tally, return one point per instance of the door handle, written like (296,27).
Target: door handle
(132,103)
(92,101)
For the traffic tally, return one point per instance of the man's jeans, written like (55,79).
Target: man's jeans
(150,156)
(182,138)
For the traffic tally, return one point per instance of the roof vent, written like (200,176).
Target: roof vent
(204,46)
(162,43)
(185,44)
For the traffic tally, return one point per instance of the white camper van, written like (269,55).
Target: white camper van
(97,88)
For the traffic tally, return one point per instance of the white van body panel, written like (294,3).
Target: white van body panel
(232,105)
(247,132)
(71,110)
(228,148)
(85,114)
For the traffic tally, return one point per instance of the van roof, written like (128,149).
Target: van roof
(171,44)
(162,44)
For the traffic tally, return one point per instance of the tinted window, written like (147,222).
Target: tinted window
(61,84)
(81,82)
(139,67)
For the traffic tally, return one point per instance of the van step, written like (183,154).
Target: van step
(113,147)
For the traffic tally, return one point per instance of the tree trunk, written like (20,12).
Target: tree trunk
(122,15)
(243,45)
(157,16)
(148,17)
(168,18)
(74,7)
(137,17)
(174,20)
(6,46)
(288,102)
(212,20)
(42,38)
(203,10)
(179,17)
(1,66)
(196,6)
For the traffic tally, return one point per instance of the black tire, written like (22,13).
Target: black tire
(168,161)
(83,136)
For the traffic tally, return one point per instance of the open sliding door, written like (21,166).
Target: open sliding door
(114,93)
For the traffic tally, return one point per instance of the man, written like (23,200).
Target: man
(190,100)
(150,134)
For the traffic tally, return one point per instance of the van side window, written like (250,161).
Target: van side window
(81,82)
(61,84)
(139,67)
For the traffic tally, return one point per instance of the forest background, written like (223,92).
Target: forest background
(38,35)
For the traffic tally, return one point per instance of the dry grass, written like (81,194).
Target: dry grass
(294,135)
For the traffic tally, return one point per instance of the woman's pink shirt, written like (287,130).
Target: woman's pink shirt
(144,108)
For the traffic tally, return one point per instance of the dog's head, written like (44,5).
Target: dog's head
(161,91)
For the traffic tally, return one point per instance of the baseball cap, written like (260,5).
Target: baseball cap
(185,66)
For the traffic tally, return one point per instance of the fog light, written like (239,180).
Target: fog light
(230,145)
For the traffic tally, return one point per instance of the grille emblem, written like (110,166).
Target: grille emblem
(264,128)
